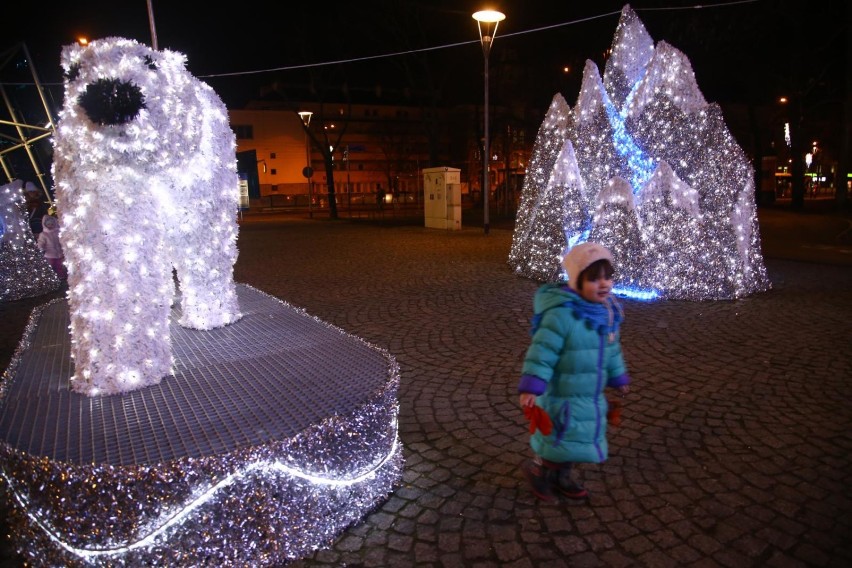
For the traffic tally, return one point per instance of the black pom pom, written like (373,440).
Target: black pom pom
(111,102)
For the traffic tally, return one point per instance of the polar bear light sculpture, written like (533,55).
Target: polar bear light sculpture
(146,182)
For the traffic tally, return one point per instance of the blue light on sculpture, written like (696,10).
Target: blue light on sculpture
(641,166)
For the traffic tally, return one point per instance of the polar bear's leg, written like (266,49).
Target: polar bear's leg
(119,293)
(204,256)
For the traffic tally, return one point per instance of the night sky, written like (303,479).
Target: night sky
(736,48)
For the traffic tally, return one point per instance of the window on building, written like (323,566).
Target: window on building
(273,171)
(272,156)
(244,131)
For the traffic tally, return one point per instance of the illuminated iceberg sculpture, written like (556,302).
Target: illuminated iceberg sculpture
(661,181)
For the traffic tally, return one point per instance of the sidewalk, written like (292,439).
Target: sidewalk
(819,233)
(734,445)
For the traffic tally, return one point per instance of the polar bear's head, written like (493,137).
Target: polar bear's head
(132,102)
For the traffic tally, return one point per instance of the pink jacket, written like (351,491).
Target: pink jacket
(48,239)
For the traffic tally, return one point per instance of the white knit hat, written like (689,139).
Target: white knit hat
(580,257)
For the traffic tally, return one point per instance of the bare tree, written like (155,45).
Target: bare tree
(395,141)
(325,137)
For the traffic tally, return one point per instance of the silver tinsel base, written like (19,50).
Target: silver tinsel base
(273,435)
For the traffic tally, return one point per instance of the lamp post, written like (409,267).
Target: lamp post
(347,157)
(488,19)
(153,26)
(308,172)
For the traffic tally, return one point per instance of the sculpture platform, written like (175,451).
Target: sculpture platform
(273,435)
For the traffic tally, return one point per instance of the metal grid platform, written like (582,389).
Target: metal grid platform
(266,377)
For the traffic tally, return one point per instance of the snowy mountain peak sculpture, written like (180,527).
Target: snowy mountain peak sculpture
(644,165)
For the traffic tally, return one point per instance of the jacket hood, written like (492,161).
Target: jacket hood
(551,295)
(605,317)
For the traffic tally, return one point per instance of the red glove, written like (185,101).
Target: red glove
(613,415)
(539,420)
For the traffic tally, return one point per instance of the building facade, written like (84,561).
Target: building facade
(370,149)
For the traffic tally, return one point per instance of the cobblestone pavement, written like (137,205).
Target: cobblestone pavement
(734,448)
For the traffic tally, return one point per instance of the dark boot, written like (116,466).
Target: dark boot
(541,479)
(567,486)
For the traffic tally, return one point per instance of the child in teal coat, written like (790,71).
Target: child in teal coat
(575,353)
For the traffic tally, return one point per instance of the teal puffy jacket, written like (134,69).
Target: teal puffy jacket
(575,353)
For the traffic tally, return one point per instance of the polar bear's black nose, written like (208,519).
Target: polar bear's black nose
(111,101)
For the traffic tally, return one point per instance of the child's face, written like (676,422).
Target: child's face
(596,288)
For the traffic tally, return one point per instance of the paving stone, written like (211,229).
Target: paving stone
(399,542)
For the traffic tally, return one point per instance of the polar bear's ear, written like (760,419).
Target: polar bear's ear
(174,60)
(69,55)
(150,63)
(72,72)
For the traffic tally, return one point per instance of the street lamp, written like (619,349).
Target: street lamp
(488,19)
(308,172)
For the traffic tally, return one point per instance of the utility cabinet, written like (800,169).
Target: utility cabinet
(442,198)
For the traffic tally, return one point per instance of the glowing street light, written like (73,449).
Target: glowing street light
(308,172)
(487,21)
